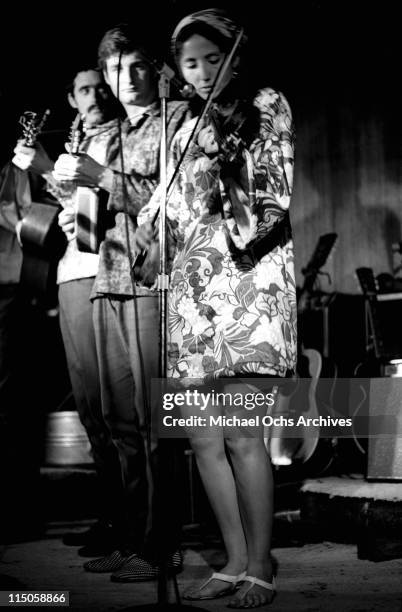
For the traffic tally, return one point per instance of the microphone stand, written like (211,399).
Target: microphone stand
(165,75)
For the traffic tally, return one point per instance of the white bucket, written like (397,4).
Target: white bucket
(66,441)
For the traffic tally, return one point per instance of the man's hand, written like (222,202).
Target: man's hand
(66,221)
(143,237)
(32,158)
(82,169)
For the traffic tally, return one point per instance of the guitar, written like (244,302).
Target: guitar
(302,443)
(287,445)
(91,218)
(371,366)
(43,242)
(326,244)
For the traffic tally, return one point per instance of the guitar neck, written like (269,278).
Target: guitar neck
(76,134)
(325,245)
(378,341)
(306,292)
(368,285)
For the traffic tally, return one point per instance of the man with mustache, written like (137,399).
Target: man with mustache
(90,96)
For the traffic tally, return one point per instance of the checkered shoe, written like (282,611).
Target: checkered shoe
(111,563)
(136,569)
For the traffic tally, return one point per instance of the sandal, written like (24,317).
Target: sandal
(233,580)
(254,581)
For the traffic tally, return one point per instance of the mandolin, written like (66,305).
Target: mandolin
(42,240)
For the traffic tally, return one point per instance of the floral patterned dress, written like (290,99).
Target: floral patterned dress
(232,296)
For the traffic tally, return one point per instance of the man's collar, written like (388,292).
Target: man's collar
(151,110)
(101,128)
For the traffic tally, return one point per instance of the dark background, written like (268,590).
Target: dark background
(338,63)
(308,48)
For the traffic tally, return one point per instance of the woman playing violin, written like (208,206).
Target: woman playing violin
(232,299)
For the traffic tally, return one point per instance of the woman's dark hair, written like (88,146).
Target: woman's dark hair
(205,30)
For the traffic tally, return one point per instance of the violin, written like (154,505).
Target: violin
(226,127)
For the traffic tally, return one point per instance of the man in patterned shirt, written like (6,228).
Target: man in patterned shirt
(126,315)
(91,97)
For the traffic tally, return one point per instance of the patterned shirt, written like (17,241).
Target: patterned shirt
(140,145)
(232,296)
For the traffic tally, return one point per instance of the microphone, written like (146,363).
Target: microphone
(185,89)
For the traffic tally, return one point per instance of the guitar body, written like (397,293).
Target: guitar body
(92,218)
(40,231)
(310,364)
(297,443)
(43,244)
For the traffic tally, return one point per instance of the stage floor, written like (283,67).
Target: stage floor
(314,577)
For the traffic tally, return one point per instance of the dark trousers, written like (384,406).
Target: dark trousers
(77,330)
(127,342)
(21,416)
(8,339)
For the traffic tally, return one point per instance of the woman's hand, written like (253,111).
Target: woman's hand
(207,140)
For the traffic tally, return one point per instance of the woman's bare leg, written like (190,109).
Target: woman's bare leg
(254,483)
(217,477)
